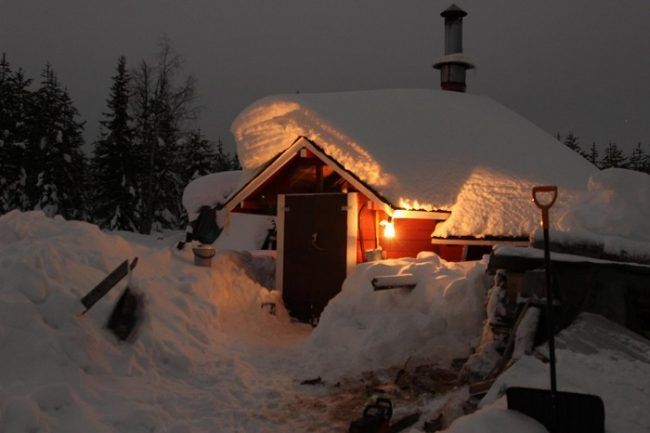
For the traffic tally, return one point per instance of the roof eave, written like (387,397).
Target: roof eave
(302,142)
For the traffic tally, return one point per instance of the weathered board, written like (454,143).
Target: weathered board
(107,284)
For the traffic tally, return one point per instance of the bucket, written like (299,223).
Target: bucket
(203,255)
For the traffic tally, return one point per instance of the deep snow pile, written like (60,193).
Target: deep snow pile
(421,149)
(614,214)
(209,190)
(437,321)
(595,356)
(492,204)
(188,370)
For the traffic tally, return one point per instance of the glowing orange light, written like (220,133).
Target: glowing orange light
(389,228)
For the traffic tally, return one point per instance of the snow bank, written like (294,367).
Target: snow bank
(422,149)
(613,215)
(595,356)
(242,231)
(496,420)
(438,320)
(490,203)
(187,371)
(209,190)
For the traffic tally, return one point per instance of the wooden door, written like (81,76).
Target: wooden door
(315,251)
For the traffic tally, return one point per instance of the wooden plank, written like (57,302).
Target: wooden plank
(107,284)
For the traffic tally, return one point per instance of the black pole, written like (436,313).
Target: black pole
(550,325)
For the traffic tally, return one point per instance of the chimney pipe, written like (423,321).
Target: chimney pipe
(454,63)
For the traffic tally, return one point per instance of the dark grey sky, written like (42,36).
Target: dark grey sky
(566,65)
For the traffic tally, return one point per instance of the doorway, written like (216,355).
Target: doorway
(316,249)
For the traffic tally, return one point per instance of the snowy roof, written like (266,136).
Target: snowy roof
(419,149)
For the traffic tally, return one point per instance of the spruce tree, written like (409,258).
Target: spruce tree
(198,156)
(571,141)
(234,162)
(613,157)
(116,163)
(55,174)
(14,101)
(223,160)
(593,155)
(638,159)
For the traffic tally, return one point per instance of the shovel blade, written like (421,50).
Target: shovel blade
(576,413)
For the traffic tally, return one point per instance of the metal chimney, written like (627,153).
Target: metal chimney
(454,63)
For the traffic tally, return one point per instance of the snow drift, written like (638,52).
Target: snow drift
(613,215)
(438,320)
(594,356)
(186,371)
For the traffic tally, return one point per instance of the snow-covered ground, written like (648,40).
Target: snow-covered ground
(208,357)
(595,356)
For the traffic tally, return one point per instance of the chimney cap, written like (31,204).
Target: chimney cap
(453,11)
(454,59)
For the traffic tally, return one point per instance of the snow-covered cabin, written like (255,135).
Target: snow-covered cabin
(450,172)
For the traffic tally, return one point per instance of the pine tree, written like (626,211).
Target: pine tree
(638,159)
(613,157)
(234,162)
(198,156)
(223,160)
(116,163)
(571,141)
(55,174)
(593,155)
(14,100)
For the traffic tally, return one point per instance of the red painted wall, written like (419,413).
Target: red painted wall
(411,236)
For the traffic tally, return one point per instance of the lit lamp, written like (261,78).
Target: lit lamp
(389,228)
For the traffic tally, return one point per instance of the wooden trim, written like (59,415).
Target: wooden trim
(353,225)
(476,241)
(262,176)
(463,256)
(303,143)
(285,157)
(383,205)
(421,214)
(279,260)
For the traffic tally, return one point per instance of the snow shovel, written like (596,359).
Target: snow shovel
(559,412)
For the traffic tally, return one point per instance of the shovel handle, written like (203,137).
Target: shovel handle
(538,189)
(544,206)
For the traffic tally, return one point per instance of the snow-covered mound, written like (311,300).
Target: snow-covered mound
(209,190)
(421,149)
(595,356)
(496,419)
(187,371)
(242,231)
(438,320)
(614,213)
(491,204)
